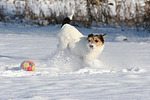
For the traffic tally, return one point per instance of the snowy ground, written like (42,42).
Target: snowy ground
(122,71)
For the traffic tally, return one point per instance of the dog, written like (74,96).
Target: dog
(85,48)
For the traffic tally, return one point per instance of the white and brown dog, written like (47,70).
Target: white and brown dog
(86,48)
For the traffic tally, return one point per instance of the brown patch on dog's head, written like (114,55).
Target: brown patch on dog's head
(96,39)
(101,37)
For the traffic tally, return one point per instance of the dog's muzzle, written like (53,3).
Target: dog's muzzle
(91,46)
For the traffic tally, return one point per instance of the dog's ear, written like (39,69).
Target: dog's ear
(101,37)
(90,35)
(104,35)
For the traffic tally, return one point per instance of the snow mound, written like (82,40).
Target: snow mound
(120,38)
(88,70)
(134,70)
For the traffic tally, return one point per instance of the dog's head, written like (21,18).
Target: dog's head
(95,40)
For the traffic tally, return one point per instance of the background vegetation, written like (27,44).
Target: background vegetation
(88,13)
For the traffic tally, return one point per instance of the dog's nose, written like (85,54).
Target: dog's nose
(91,46)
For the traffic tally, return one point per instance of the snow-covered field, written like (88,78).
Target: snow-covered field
(122,71)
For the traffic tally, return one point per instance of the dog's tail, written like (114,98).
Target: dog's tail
(68,19)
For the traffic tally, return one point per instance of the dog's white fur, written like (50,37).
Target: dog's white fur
(70,38)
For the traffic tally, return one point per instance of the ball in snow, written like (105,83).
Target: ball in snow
(27,66)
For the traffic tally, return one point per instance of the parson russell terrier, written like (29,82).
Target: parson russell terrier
(86,48)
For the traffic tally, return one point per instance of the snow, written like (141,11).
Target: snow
(127,8)
(120,73)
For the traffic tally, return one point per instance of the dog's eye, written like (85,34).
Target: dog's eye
(96,41)
(89,40)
